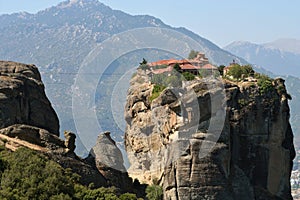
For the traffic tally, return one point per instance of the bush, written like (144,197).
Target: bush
(128,196)
(265,83)
(237,71)
(30,175)
(193,54)
(188,76)
(154,192)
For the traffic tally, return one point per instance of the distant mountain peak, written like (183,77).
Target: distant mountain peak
(81,3)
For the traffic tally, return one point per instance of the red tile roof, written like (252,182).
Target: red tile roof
(209,66)
(163,70)
(188,66)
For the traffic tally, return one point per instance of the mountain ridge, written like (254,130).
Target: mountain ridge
(59,39)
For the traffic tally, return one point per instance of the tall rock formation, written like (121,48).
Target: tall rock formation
(23,99)
(108,159)
(166,139)
(27,119)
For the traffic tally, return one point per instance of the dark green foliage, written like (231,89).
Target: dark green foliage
(248,70)
(177,67)
(265,83)
(193,54)
(221,68)
(144,62)
(154,192)
(188,76)
(30,175)
(27,174)
(128,196)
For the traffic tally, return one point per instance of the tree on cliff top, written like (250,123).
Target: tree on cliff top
(193,54)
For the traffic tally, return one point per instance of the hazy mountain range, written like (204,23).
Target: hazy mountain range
(280,57)
(59,38)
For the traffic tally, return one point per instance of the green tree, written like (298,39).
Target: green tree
(177,67)
(237,71)
(30,175)
(265,83)
(221,69)
(193,54)
(154,192)
(144,62)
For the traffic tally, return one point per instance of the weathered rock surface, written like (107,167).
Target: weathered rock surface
(252,158)
(23,99)
(27,119)
(108,159)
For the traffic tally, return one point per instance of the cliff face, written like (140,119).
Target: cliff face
(166,139)
(23,99)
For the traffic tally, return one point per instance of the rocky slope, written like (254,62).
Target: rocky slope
(250,154)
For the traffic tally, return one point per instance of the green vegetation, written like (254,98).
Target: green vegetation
(154,192)
(157,89)
(265,83)
(221,69)
(26,174)
(144,64)
(193,54)
(177,67)
(188,76)
(237,71)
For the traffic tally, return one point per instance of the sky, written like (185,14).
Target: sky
(220,21)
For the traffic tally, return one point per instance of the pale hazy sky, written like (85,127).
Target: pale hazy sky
(221,21)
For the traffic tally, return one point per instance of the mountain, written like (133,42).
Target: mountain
(59,39)
(285,44)
(280,57)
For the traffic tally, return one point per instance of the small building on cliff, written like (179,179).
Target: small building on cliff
(194,66)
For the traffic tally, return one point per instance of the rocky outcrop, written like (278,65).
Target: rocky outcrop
(107,154)
(108,159)
(27,119)
(249,156)
(70,140)
(23,99)
(41,140)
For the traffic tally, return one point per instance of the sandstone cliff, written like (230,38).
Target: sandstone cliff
(23,99)
(167,139)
